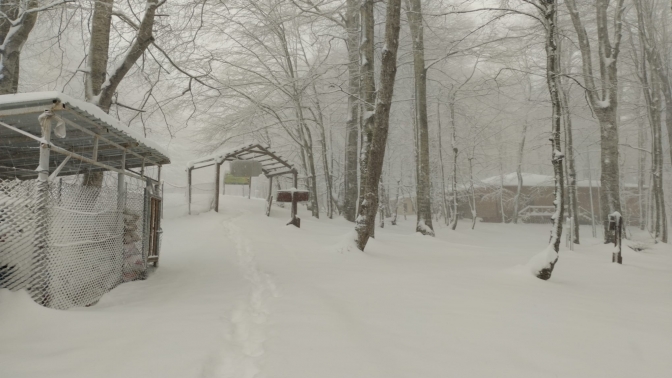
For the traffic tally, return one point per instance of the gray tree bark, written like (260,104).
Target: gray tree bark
(423,195)
(15,27)
(444,196)
(573,204)
(603,98)
(376,148)
(352,123)
(368,96)
(453,144)
(519,173)
(549,13)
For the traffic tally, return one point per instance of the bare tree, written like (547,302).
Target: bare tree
(603,97)
(377,141)
(424,213)
(17,19)
(573,205)
(352,123)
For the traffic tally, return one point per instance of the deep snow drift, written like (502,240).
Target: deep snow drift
(242,295)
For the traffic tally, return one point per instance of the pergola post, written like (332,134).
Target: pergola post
(217,169)
(189,188)
(270,196)
(295,203)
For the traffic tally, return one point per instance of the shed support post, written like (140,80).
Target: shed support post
(39,282)
(270,196)
(189,189)
(217,168)
(121,195)
(249,189)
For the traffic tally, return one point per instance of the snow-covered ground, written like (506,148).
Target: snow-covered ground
(242,295)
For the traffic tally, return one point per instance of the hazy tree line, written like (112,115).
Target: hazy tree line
(380,102)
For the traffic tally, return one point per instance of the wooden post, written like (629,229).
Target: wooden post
(189,188)
(217,166)
(295,220)
(616,224)
(249,189)
(270,196)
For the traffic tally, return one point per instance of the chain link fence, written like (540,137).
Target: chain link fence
(69,244)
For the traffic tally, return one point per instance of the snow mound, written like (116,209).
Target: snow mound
(542,260)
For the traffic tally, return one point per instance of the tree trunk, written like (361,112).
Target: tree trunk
(352,123)
(376,148)
(453,144)
(368,96)
(423,195)
(641,164)
(143,38)
(473,193)
(15,27)
(653,84)
(396,205)
(519,173)
(325,160)
(549,257)
(443,171)
(573,205)
(501,187)
(603,99)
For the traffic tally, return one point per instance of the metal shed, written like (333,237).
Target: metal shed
(66,243)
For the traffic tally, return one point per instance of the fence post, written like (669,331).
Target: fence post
(39,275)
(189,188)
(121,187)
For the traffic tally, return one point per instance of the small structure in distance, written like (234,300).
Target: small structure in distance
(245,160)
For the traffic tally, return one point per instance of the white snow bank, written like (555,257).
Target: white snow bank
(239,294)
(542,260)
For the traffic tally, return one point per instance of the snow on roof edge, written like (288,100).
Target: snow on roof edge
(219,156)
(86,107)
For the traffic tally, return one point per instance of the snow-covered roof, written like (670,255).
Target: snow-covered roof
(83,107)
(272,163)
(90,134)
(529,179)
(532,179)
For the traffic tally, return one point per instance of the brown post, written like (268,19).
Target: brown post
(249,189)
(217,166)
(295,220)
(189,188)
(270,196)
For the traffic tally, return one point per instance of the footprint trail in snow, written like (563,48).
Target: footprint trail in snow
(249,317)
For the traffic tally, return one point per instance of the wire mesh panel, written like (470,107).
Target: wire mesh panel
(17,232)
(70,244)
(85,238)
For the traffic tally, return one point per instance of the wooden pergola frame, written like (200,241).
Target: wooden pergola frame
(272,165)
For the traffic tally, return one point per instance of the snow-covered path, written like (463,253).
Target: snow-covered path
(242,295)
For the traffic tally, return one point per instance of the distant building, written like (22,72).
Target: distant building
(536,200)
